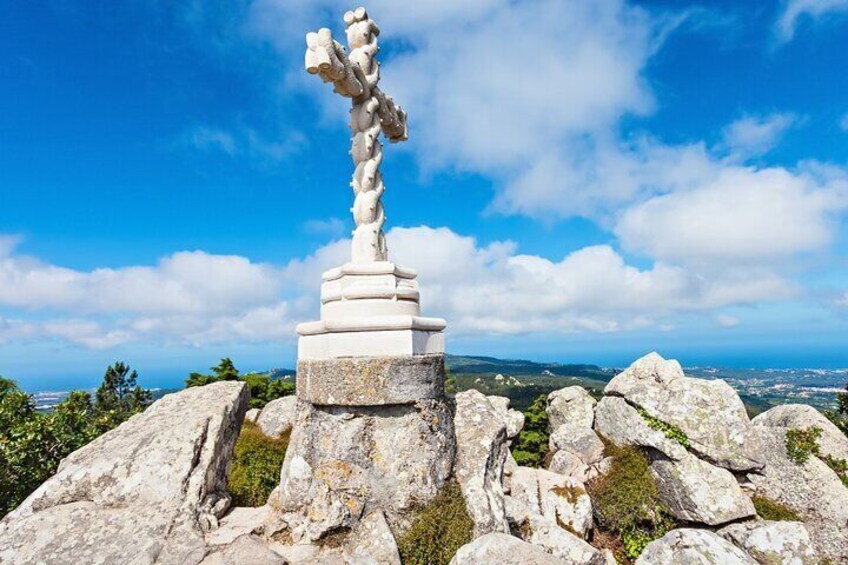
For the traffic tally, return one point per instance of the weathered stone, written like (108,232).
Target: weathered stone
(710,413)
(773,543)
(371,381)
(556,497)
(620,423)
(502,549)
(252,415)
(571,405)
(695,491)
(341,460)
(481,451)
(692,547)
(244,550)
(832,441)
(141,493)
(582,442)
(238,522)
(509,468)
(538,530)
(278,416)
(513,419)
(373,542)
(812,490)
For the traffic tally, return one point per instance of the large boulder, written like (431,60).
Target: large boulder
(710,413)
(481,451)
(692,547)
(556,497)
(278,416)
(577,452)
(513,419)
(773,543)
(832,441)
(144,492)
(244,550)
(620,423)
(544,532)
(571,405)
(812,490)
(503,549)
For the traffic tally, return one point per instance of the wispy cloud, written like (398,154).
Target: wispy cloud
(794,11)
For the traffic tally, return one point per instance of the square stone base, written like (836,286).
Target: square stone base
(373,343)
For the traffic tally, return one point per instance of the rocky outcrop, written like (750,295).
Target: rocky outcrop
(547,534)
(481,451)
(277,418)
(144,492)
(577,452)
(620,423)
(773,543)
(832,442)
(710,413)
(571,405)
(557,498)
(244,550)
(252,415)
(513,419)
(812,490)
(503,549)
(693,547)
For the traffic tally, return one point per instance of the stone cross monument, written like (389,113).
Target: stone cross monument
(374,435)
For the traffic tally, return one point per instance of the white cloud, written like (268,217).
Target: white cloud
(756,135)
(334,227)
(244,141)
(795,10)
(726,320)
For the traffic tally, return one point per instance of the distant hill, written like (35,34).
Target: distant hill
(481,364)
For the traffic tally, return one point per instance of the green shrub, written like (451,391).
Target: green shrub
(255,467)
(801,443)
(626,501)
(769,509)
(263,389)
(531,445)
(670,431)
(839,466)
(438,530)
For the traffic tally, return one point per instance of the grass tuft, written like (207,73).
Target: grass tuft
(255,467)
(769,509)
(438,530)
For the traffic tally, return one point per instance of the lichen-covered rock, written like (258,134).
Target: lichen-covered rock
(773,543)
(373,542)
(710,413)
(620,423)
(545,533)
(513,419)
(238,522)
(556,497)
(695,491)
(571,405)
(342,460)
(692,547)
(278,416)
(244,550)
(583,442)
(144,492)
(832,441)
(502,549)
(481,451)
(812,490)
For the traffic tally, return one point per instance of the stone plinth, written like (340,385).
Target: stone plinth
(371,381)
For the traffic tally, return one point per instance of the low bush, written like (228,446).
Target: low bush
(531,446)
(801,443)
(670,431)
(769,509)
(255,467)
(438,530)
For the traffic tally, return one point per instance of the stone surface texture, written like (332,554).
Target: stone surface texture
(503,549)
(278,416)
(513,419)
(481,451)
(571,405)
(145,492)
(832,441)
(556,497)
(773,543)
(693,547)
(620,423)
(244,550)
(547,534)
(710,413)
(812,490)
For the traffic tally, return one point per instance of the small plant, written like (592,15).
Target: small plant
(670,431)
(255,468)
(839,466)
(769,509)
(531,446)
(438,530)
(801,443)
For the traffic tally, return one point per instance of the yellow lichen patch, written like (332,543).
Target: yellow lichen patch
(568,492)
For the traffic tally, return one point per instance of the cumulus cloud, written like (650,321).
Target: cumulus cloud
(795,10)
(756,135)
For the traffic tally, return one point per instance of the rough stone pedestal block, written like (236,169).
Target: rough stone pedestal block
(345,461)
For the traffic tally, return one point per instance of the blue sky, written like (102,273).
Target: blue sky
(583,181)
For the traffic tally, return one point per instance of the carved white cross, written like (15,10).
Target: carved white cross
(356,76)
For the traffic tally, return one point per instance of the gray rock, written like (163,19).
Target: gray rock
(277,418)
(371,381)
(144,492)
(342,460)
(252,415)
(832,441)
(695,491)
(538,530)
(571,405)
(710,413)
(687,546)
(513,419)
(582,442)
(556,497)
(373,542)
(238,522)
(773,543)
(481,451)
(812,490)
(620,423)
(502,549)
(244,550)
